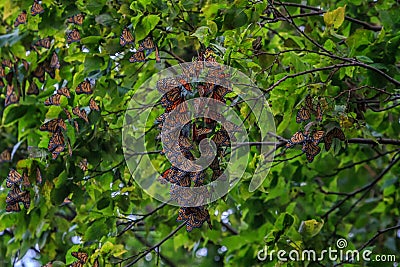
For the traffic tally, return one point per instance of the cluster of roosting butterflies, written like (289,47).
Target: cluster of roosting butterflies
(145,48)
(176,90)
(19,192)
(10,70)
(309,139)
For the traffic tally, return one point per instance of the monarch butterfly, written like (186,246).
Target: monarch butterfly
(2,72)
(194,217)
(64,91)
(189,70)
(51,71)
(76,126)
(32,89)
(39,178)
(147,44)
(14,195)
(317,136)
(96,263)
(158,59)
(184,143)
(76,19)
(84,88)
(205,88)
(77,264)
(126,37)
(137,57)
(11,96)
(173,175)
(93,105)
(198,178)
(39,73)
(69,149)
(217,74)
(318,113)
(200,133)
(73,36)
(221,138)
(334,133)
(13,178)
(303,115)
(53,125)
(166,84)
(53,100)
(171,97)
(54,62)
(297,138)
(219,92)
(311,150)
(5,156)
(7,63)
(36,8)
(13,207)
(184,83)
(57,151)
(45,42)
(83,164)
(81,256)
(21,19)
(69,117)
(308,103)
(25,180)
(80,113)
(56,140)
(26,199)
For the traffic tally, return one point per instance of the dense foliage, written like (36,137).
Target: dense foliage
(344,54)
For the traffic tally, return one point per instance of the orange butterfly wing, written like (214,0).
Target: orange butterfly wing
(137,57)
(13,178)
(126,37)
(21,19)
(73,36)
(53,100)
(84,88)
(36,8)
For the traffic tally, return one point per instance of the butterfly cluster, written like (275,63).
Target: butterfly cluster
(19,192)
(309,139)
(146,47)
(176,90)
(57,126)
(73,35)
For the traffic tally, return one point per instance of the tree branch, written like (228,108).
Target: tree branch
(145,252)
(366,187)
(366,25)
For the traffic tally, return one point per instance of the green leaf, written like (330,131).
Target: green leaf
(96,230)
(364,59)
(147,24)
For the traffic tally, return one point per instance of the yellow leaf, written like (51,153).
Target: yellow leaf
(310,228)
(335,17)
